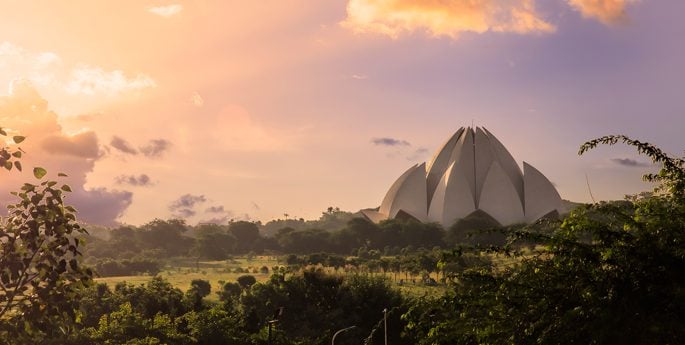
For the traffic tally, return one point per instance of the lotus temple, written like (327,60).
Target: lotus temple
(472,173)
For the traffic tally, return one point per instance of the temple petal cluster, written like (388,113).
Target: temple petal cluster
(473,172)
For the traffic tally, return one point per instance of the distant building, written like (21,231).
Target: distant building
(472,173)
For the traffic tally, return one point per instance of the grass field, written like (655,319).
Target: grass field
(181,273)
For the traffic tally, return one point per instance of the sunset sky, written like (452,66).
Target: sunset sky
(217,110)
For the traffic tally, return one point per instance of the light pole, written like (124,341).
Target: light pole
(340,331)
(278,314)
(385,324)
(270,325)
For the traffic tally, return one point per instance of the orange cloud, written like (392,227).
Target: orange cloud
(606,11)
(444,17)
(84,144)
(24,111)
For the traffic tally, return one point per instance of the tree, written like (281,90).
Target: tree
(246,235)
(612,272)
(214,326)
(10,156)
(214,242)
(40,272)
(166,235)
(229,291)
(246,281)
(199,289)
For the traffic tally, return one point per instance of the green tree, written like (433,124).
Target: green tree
(609,273)
(10,156)
(40,272)
(214,242)
(246,281)
(215,326)
(229,291)
(246,235)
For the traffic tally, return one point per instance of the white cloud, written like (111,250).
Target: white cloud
(75,87)
(166,11)
(41,68)
(197,100)
(87,80)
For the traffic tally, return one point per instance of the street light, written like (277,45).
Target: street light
(278,313)
(385,324)
(340,331)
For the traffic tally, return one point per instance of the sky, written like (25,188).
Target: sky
(218,110)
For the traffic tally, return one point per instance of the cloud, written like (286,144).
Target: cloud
(444,17)
(418,153)
(73,86)
(187,200)
(219,215)
(89,80)
(215,209)
(141,180)
(197,100)
(627,162)
(155,148)
(166,11)
(122,145)
(100,205)
(606,11)
(41,68)
(83,145)
(390,142)
(184,213)
(359,76)
(25,111)
(400,148)
(183,207)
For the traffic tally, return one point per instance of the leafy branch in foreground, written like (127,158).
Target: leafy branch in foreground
(671,177)
(9,156)
(40,273)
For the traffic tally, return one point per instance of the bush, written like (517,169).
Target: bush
(246,281)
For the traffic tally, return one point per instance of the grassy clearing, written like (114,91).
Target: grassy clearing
(180,273)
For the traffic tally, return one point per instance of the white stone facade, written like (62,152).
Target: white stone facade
(472,171)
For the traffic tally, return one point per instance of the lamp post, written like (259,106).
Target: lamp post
(278,314)
(270,325)
(340,331)
(385,325)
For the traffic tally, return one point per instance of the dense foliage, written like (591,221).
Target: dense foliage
(138,250)
(610,273)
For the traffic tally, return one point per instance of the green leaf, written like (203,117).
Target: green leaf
(62,175)
(66,188)
(2,132)
(18,139)
(17,164)
(8,165)
(17,154)
(39,172)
